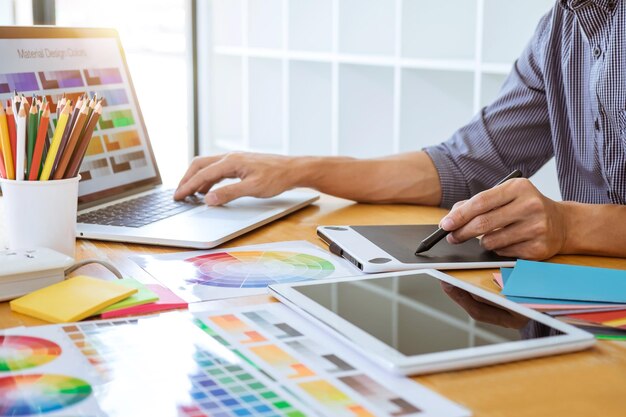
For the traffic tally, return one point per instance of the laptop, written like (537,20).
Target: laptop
(121,195)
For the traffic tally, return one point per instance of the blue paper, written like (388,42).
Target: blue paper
(565,282)
(530,300)
(506,273)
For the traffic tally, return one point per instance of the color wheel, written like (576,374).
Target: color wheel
(257,269)
(23,395)
(23,352)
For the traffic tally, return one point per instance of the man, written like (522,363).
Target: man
(565,97)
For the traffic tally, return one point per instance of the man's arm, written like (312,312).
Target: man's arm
(404,178)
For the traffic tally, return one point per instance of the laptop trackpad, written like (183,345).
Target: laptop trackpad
(239,210)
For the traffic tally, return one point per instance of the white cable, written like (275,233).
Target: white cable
(105,264)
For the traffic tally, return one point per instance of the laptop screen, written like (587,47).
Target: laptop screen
(50,62)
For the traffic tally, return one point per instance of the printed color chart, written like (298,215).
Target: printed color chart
(35,394)
(247,270)
(254,269)
(328,377)
(206,379)
(23,352)
(255,361)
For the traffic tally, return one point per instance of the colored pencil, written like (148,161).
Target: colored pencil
(3,171)
(16,102)
(60,106)
(77,129)
(12,128)
(33,125)
(68,130)
(42,132)
(56,142)
(25,104)
(20,156)
(7,155)
(83,143)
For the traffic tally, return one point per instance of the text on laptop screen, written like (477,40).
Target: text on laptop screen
(119,152)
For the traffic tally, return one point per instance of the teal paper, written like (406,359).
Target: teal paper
(566,282)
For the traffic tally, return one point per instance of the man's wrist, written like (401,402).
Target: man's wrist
(579,227)
(314,171)
(305,171)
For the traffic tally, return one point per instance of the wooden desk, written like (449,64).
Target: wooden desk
(588,383)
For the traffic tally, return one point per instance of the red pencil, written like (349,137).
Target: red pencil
(35,167)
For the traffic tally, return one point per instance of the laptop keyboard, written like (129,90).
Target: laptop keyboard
(141,211)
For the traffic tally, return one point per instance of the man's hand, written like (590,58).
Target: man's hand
(514,218)
(261,176)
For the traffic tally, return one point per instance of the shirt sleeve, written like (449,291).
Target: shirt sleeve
(513,132)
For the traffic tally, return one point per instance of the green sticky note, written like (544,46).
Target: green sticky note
(142,296)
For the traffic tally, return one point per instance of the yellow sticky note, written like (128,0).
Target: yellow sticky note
(71,300)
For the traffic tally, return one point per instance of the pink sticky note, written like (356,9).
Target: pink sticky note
(497,279)
(167,301)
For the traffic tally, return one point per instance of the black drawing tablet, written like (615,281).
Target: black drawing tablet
(392,248)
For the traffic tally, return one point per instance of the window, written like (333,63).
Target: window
(16,12)
(154,36)
(356,77)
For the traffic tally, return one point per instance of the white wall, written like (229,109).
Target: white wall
(357,77)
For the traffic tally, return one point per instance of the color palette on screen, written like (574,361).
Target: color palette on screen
(21,81)
(23,352)
(257,269)
(102,76)
(23,395)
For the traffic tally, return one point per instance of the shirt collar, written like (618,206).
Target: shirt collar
(573,5)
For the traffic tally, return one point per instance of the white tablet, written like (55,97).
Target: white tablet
(426,321)
(392,248)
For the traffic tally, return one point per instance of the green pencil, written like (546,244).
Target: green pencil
(33,125)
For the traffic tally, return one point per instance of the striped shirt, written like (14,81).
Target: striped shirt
(565,97)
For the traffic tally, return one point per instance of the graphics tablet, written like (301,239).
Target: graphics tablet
(392,248)
(427,321)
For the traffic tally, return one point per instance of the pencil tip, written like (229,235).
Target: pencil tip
(421,248)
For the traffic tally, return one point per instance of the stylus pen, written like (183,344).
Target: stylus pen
(439,234)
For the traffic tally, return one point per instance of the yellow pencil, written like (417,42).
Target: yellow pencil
(5,144)
(56,142)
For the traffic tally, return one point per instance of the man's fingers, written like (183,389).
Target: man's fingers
(487,222)
(481,203)
(196,165)
(229,193)
(511,235)
(205,178)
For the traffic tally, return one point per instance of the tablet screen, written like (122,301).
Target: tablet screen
(418,314)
